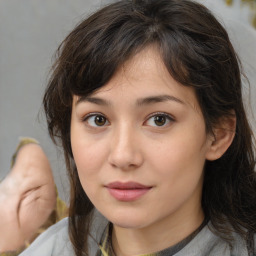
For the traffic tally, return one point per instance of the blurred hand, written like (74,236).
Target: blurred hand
(27,198)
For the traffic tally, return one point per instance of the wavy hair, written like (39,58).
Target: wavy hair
(197,52)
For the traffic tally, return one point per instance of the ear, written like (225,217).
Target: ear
(222,138)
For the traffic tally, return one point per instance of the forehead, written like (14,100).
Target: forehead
(145,75)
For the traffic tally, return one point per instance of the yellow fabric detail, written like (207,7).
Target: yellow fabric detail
(23,141)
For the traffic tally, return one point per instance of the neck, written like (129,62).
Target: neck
(127,242)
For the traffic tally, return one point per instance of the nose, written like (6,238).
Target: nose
(126,150)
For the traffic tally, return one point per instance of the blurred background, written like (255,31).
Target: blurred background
(30,32)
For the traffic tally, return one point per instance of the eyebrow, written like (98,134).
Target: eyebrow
(95,100)
(139,102)
(157,99)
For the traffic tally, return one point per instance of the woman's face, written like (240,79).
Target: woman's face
(140,144)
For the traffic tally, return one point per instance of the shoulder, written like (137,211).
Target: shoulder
(54,241)
(207,243)
(243,247)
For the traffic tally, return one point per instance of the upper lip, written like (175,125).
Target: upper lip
(126,185)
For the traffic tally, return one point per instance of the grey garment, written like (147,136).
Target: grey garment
(55,242)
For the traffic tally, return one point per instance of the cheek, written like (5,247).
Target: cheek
(178,170)
(89,155)
(181,154)
(89,162)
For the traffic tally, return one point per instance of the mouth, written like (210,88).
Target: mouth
(127,191)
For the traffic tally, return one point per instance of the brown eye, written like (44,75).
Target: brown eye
(96,120)
(160,120)
(100,120)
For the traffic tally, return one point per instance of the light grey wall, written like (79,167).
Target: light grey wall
(237,20)
(31,30)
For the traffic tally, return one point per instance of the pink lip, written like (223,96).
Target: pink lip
(127,191)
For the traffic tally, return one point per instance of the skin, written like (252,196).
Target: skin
(131,146)
(27,198)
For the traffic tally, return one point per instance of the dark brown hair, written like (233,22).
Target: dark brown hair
(197,51)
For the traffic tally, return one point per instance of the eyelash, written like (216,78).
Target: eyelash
(86,118)
(167,117)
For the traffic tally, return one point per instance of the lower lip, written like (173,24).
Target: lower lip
(127,195)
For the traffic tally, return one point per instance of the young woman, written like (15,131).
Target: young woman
(145,98)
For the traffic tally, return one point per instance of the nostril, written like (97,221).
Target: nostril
(125,160)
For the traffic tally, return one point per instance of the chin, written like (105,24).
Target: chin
(127,216)
(127,225)
(128,221)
